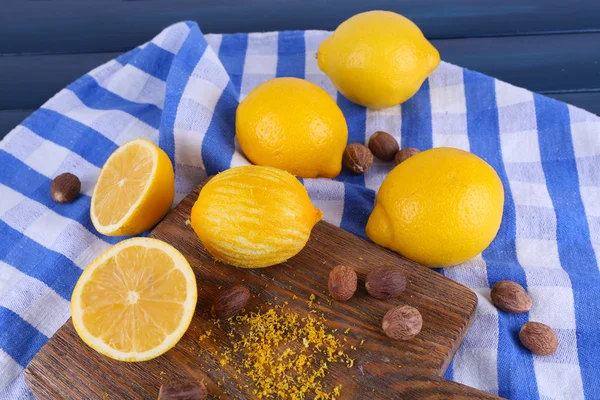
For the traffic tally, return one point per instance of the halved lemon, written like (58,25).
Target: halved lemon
(135,301)
(134,191)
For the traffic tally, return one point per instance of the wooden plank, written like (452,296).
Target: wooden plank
(96,26)
(67,368)
(540,63)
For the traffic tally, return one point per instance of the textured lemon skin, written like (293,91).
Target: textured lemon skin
(105,349)
(292,124)
(153,204)
(254,216)
(377,59)
(440,207)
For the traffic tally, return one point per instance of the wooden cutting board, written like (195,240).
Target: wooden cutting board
(66,368)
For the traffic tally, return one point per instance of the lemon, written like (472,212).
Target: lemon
(440,207)
(134,191)
(292,124)
(135,301)
(253,216)
(377,59)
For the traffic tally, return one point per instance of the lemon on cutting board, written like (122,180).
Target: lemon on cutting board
(377,59)
(440,207)
(134,191)
(292,124)
(254,216)
(135,301)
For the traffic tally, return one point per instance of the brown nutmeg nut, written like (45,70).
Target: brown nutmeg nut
(405,154)
(383,146)
(539,338)
(510,297)
(342,282)
(402,322)
(385,282)
(65,188)
(184,390)
(357,158)
(230,301)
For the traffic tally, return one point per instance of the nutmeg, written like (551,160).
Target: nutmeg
(342,282)
(385,282)
(383,146)
(182,390)
(539,338)
(357,158)
(65,188)
(510,297)
(402,322)
(405,154)
(230,301)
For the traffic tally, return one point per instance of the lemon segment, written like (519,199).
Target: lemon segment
(292,124)
(135,301)
(253,216)
(134,191)
(377,59)
(440,207)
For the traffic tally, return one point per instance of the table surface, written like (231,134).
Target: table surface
(548,46)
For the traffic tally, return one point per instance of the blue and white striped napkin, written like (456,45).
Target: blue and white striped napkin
(181,90)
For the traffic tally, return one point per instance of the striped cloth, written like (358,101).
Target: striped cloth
(181,90)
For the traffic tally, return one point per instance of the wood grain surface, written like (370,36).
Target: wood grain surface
(383,368)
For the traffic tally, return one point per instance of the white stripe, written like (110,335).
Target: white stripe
(260,63)
(172,38)
(33,301)
(214,41)
(312,73)
(133,84)
(50,159)
(113,124)
(388,120)
(17,390)
(9,371)
(328,196)
(61,237)
(448,108)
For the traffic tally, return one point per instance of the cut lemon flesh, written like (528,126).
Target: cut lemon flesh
(135,301)
(134,191)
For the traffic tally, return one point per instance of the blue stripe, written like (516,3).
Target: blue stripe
(572,232)
(218,145)
(356,119)
(515,364)
(18,338)
(75,136)
(95,96)
(358,205)
(449,374)
(18,176)
(291,54)
(232,54)
(194,46)
(125,58)
(416,120)
(33,259)
(358,201)
(153,60)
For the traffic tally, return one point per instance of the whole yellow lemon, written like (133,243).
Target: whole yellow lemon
(440,207)
(253,216)
(292,124)
(377,59)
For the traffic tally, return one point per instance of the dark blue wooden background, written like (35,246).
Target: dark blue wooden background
(549,46)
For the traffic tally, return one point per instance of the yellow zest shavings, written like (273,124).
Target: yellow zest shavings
(286,356)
